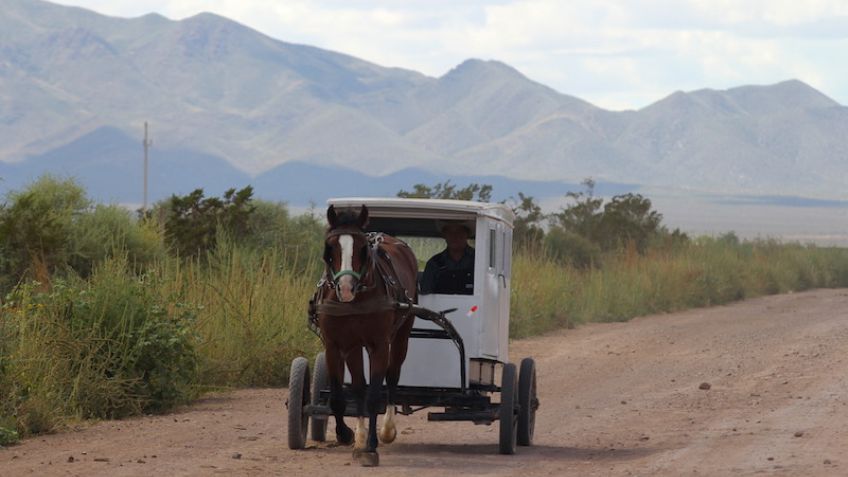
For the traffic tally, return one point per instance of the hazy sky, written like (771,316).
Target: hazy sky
(618,54)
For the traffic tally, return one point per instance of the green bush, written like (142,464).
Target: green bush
(107,347)
(35,225)
(572,249)
(192,221)
(300,239)
(107,230)
(51,230)
(623,221)
(8,436)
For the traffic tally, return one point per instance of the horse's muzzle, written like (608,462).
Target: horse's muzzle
(345,289)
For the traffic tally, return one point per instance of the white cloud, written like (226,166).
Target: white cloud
(605,51)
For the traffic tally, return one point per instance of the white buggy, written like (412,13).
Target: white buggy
(458,355)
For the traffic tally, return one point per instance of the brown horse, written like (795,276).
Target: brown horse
(367,277)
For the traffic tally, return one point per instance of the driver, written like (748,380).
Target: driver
(451,271)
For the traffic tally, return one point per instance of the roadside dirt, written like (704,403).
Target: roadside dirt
(616,399)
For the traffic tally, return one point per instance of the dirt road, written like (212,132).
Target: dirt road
(616,399)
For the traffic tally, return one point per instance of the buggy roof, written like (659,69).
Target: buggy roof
(422,213)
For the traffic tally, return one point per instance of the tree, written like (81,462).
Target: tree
(584,216)
(527,230)
(192,221)
(527,227)
(624,219)
(628,218)
(446,190)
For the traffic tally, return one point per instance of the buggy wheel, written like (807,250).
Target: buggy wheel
(509,422)
(320,381)
(298,399)
(527,401)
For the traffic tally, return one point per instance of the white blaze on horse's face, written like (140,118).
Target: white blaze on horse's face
(346,281)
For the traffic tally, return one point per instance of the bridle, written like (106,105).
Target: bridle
(332,278)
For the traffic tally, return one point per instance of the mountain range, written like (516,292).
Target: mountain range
(228,105)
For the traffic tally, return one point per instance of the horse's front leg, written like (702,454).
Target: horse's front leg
(379,358)
(358,387)
(335,368)
(398,355)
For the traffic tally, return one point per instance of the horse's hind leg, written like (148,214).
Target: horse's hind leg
(335,368)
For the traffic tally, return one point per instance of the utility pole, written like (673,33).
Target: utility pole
(146,143)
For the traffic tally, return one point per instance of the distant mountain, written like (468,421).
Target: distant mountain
(301,183)
(107,164)
(228,105)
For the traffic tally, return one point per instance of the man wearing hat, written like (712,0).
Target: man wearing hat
(451,271)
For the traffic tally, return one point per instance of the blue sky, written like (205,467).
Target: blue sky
(617,54)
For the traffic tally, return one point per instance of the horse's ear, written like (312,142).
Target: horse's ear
(363,217)
(332,218)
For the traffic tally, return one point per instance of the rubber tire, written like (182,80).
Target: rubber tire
(298,399)
(320,381)
(526,399)
(509,421)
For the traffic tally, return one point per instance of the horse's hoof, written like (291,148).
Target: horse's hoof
(388,434)
(366,458)
(344,436)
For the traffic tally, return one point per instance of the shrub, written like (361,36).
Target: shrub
(107,230)
(192,221)
(8,436)
(623,220)
(34,228)
(108,347)
(572,249)
(299,239)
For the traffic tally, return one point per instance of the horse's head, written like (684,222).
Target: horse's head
(346,251)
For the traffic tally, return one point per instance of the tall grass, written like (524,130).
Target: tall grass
(104,347)
(705,272)
(253,312)
(143,331)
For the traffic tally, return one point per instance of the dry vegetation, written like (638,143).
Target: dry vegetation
(100,320)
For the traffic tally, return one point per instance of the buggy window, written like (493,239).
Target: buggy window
(444,279)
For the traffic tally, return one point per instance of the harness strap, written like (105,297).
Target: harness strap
(397,297)
(374,305)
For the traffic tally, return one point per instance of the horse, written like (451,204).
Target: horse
(367,277)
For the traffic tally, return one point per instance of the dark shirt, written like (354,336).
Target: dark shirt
(443,275)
